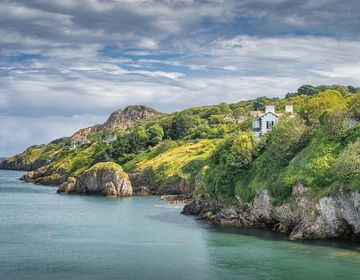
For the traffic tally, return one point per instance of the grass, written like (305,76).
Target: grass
(174,161)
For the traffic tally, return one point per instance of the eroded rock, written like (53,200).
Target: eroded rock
(104,178)
(303,217)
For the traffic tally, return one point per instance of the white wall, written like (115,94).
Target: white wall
(264,119)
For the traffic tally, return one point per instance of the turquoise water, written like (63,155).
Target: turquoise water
(48,236)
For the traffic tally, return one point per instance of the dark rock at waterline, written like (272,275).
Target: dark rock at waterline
(181,187)
(194,207)
(330,217)
(40,177)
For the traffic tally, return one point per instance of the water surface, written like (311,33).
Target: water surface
(48,236)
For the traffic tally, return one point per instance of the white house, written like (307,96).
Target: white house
(265,122)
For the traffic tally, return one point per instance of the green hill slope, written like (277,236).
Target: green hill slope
(211,149)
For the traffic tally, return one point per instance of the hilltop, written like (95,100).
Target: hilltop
(120,120)
(302,177)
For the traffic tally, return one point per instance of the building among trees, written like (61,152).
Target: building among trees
(265,122)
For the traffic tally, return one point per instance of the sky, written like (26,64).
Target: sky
(66,64)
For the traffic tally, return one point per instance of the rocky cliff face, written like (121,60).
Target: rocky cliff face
(120,119)
(85,132)
(104,178)
(123,119)
(330,217)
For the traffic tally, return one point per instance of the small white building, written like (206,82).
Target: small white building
(237,120)
(110,139)
(73,145)
(264,123)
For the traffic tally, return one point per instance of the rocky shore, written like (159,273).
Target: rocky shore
(303,217)
(104,178)
(330,217)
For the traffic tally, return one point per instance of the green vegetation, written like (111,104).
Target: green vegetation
(212,148)
(106,166)
(173,162)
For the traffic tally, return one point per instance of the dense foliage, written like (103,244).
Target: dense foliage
(213,149)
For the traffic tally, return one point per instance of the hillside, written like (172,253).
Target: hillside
(211,152)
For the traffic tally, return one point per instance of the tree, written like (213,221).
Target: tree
(307,90)
(231,157)
(214,110)
(239,111)
(225,108)
(155,134)
(181,125)
(216,119)
(138,139)
(241,151)
(120,148)
(316,105)
(347,165)
(335,123)
(260,103)
(102,152)
(354,106)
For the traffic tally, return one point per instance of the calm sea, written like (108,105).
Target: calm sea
(48,236)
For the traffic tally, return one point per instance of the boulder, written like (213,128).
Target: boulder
(68,186)
(104,178)
(261,212)
(194,207)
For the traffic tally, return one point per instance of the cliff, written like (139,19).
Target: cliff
(330,217)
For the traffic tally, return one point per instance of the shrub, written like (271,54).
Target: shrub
(347,165)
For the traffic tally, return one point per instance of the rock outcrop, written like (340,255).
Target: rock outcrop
(330,217)
(125,118)
(104,178)
(179,189)
(121,119)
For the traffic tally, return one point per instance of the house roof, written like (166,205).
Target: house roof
(259,117)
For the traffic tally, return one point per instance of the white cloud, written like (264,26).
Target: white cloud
(167,54)
(346,71)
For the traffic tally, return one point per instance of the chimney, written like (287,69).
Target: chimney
(289,108)
(270,109)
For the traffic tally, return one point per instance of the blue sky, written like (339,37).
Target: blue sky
(66,64)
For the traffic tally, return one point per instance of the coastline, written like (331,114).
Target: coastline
(303,218)
(313,219)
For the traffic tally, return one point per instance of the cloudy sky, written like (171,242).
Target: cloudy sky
(67,64)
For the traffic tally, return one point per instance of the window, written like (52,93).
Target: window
(256,124)
(269,124)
